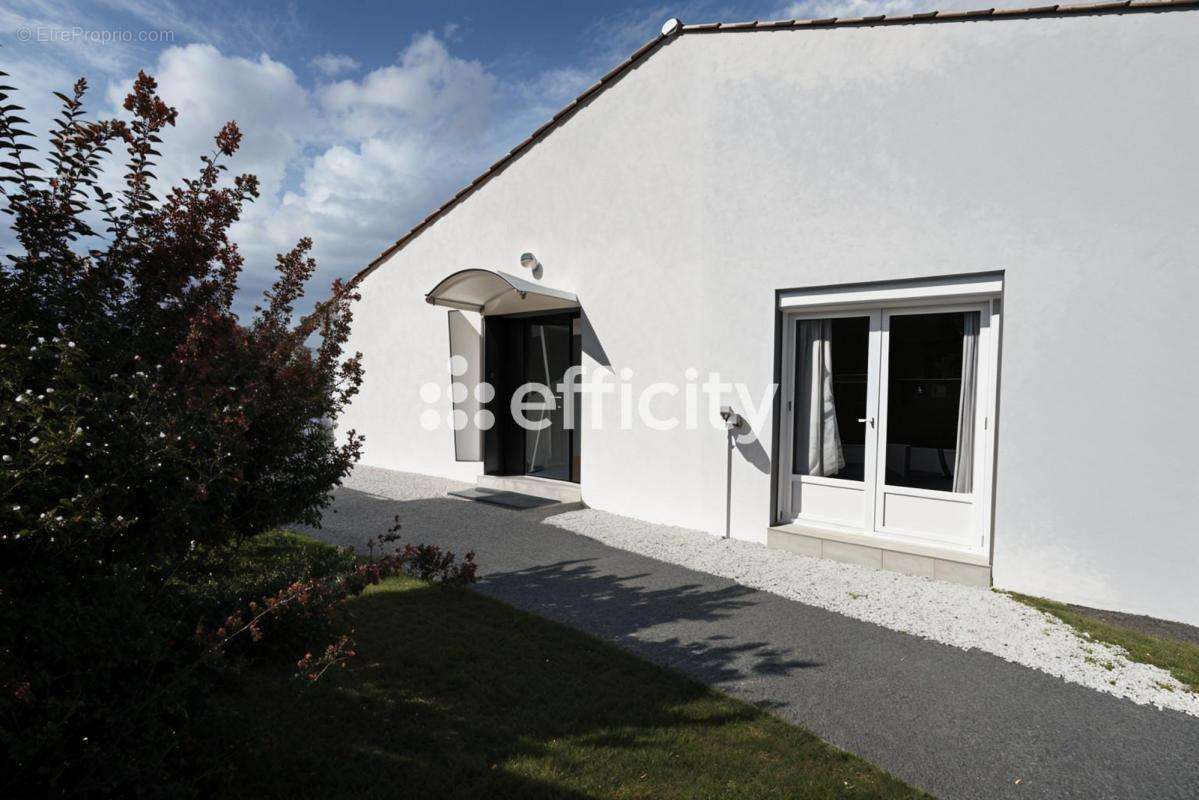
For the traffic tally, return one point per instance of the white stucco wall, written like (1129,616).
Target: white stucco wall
(727,166)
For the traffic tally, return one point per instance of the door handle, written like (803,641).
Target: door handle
(867,419)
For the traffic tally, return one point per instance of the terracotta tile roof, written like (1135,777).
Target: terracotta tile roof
(674,28)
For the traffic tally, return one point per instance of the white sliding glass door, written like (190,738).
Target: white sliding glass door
(886,422)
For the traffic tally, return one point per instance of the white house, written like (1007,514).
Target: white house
(963,246)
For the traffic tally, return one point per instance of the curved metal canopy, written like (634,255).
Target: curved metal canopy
(493,292)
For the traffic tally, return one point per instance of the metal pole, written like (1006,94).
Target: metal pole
(728,491)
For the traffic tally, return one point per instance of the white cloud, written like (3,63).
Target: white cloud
(209,89)
(229,25)
(401,138)
(334,64)
(429,88)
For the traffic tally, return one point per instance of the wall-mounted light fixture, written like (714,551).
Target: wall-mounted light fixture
(529,261)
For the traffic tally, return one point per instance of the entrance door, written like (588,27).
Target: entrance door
(538,350)
(886,412)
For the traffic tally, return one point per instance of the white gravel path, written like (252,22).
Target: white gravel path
(958,616)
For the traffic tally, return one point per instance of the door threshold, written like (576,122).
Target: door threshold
(938,563)
(884,542)
(548,488)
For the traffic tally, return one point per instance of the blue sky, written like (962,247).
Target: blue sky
(359,117)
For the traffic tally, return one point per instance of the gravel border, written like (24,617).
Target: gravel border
(960,616)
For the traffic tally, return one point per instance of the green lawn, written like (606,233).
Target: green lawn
(457,695)
(1179,658)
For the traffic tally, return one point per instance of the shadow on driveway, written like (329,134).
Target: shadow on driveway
(630,606)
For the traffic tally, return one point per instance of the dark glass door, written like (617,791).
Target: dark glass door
(532,350)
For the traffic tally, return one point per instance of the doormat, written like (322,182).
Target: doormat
(505,499)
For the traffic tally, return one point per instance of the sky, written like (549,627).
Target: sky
(359,118)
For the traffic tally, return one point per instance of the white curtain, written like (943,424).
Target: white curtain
(818,441)
(963,461)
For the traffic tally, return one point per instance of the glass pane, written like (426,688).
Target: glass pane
(924,395)
(547,357)
(831,358)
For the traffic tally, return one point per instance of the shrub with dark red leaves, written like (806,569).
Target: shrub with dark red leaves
(145,431)
(429,563)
